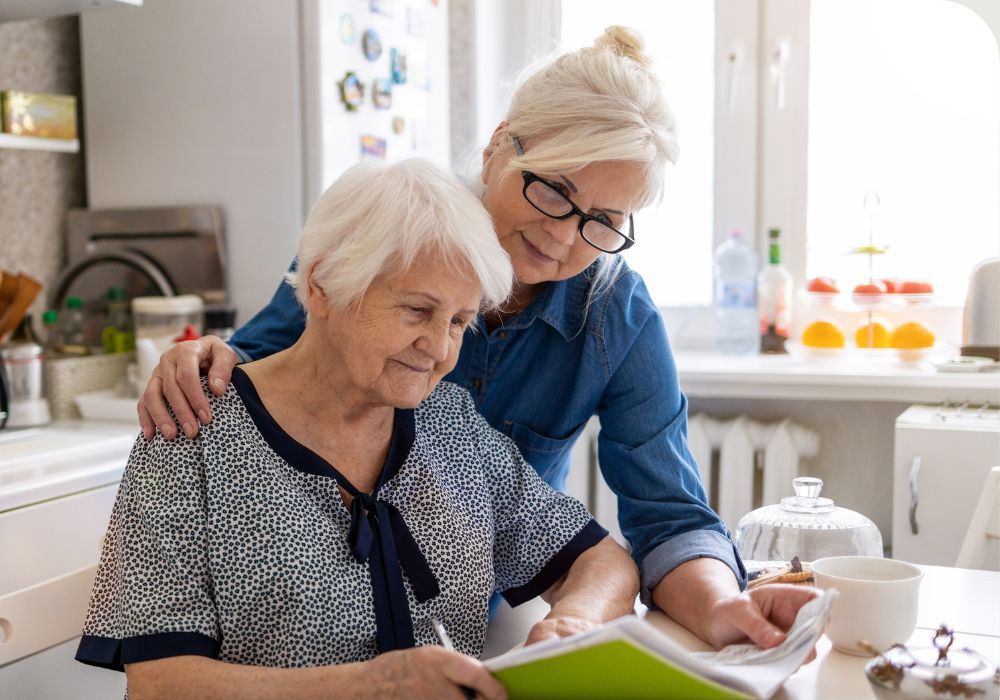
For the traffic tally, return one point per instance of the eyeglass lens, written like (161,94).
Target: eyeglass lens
(553,203)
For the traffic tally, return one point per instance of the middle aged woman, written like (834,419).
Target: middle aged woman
(343,498)
(584,145)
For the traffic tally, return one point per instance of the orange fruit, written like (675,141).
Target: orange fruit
(823,334)
(910,336)
(873,335)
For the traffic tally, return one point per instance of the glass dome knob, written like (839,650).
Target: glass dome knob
(807,486)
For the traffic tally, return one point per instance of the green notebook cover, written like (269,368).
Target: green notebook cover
(614,669)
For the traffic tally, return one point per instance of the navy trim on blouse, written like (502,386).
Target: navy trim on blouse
(113,654)
(379,534)
(591,534)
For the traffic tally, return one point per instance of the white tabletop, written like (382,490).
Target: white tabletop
(965,599)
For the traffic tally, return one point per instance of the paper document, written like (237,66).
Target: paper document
(630,658)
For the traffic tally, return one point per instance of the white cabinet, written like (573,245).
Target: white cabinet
(942,457)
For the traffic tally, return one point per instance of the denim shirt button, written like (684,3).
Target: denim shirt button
(502,335)
(477,382)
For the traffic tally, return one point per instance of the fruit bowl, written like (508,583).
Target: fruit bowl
(822,298)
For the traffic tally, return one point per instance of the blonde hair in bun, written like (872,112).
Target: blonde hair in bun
(626,42)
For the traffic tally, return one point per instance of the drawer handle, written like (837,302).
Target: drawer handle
(6,630)
(914,494)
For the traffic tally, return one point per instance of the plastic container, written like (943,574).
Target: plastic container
(159,321)
(806,526)
(71,336)
(736,329)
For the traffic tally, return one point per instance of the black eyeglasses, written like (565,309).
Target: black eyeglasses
(596,230)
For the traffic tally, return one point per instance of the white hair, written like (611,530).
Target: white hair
(380,217)
(600,103)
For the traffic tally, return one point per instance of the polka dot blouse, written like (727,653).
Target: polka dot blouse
(238,546)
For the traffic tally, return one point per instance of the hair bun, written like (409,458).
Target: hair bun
(624,41)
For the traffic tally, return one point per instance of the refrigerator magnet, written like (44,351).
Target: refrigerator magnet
(352,91)
(383,7)
(372,148)
(397,61)
(348,29)
(371,44)
(398,124)
(382,93)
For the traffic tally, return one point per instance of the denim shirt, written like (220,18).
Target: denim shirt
(541,375)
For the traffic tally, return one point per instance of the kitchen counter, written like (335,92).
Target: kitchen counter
(66,457)
(706,374)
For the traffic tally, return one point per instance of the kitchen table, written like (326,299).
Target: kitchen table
(966,600)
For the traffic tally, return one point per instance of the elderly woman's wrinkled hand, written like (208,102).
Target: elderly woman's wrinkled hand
(561,626)
(762,615)
(429,672)
(177,380)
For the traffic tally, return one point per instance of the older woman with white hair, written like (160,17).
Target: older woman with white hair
(343,497)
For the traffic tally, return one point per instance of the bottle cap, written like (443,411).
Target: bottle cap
(49,317)
(117,294)
(74,302)
(774,233)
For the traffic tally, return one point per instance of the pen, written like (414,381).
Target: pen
(445,640)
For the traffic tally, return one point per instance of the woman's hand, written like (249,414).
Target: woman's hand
(428,672)
(762,615)
(177,380)
(559,626)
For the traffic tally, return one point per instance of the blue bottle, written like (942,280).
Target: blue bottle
(736,331)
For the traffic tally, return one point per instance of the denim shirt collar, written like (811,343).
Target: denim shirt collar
(559,304)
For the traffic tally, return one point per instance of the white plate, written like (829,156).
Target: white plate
(964,364)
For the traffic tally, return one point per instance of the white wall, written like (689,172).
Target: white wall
(193,102)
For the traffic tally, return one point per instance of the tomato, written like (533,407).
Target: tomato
(892,284)
(876,287)
(915,287)
(825,285)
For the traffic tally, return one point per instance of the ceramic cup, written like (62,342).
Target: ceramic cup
(877,602)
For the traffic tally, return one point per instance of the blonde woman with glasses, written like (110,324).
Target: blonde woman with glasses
(583,147)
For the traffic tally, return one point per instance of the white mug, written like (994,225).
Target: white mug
(877,602)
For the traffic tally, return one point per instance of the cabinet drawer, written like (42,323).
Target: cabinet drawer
(51,539)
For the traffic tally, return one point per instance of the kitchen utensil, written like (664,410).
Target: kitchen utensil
(27,289)
(981,322)
(806,526)
(25,369)
(877,604)
(8,288)
(937,672)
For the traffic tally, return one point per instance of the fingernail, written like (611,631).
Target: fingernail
(204,417)
(166,429)
(774,636)
(188,430)
(218,383)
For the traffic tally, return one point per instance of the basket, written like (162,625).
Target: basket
(65,377)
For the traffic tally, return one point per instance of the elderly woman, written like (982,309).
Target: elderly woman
(343,497)
(583,147)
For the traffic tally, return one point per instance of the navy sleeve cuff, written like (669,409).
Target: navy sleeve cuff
(668,555)
(113,654)
(591,534)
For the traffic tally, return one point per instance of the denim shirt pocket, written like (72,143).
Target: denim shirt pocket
(545,454)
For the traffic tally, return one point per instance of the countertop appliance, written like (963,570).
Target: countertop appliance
(942,456)
(57,487)
(981,322)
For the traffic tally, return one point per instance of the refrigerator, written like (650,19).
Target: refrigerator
(243,105)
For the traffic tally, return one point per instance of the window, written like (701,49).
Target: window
(673,250)
(910,110)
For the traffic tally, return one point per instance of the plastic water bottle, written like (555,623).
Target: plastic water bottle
(736,330)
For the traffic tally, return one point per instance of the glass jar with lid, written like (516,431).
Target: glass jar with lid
(806,526)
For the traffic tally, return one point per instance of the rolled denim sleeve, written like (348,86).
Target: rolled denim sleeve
(643,451)
(274,328)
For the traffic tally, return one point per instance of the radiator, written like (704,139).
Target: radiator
(740,457)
